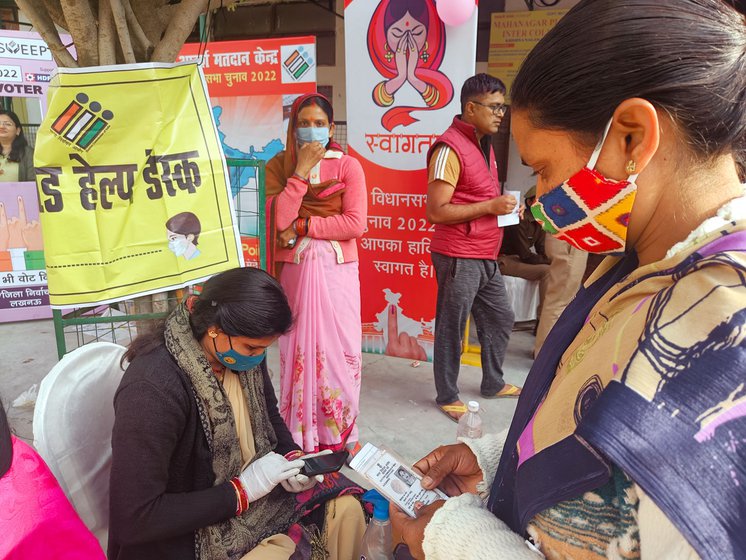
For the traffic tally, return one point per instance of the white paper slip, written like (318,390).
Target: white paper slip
(392,478)
(513,218)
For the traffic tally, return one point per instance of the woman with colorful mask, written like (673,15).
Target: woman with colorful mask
(317,208)
(628,438)
(203,466)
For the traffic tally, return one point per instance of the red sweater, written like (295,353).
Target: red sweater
(479,238)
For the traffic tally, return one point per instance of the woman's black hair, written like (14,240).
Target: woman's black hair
(6,444)
(20,143)
(321,102)
(397,9)
(686,57)
(241,302)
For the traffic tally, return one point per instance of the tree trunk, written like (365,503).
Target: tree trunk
(54,9)
(81,24)
(111,31)
(107,34)
(151,20)
(178,30)
(120,21)
(141,44)
(44,25)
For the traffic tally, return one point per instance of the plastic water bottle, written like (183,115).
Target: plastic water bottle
(377,544)
(470,424)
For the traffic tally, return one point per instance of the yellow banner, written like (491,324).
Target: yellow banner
(132,184)
(512,36)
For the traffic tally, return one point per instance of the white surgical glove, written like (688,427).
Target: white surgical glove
(301,483)
(261,476)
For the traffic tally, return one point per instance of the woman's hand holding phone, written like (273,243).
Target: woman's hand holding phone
(300,482)
(323,462)
(262,475)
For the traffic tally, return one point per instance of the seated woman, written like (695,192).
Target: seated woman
(36,518)
(628,440)
(202,463)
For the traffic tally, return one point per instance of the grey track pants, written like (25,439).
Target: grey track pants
(469,286)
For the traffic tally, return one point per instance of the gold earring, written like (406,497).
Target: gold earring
(388,54)
(213,334)
(631,166)
(424,55)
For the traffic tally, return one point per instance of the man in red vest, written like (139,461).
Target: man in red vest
(464,198)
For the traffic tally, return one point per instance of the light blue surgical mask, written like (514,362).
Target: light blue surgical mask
(235,360)
(309,134)
(178,246)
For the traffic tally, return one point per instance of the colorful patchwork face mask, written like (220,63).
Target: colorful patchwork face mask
(589,211)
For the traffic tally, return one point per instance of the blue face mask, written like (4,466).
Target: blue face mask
(235,360)
(178,246)
(309,134)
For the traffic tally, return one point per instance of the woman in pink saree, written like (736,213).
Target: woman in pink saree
(317,208)
(36,519)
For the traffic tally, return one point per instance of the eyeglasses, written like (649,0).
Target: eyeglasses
(500,109)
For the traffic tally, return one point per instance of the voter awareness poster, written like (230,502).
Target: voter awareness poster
(133,189)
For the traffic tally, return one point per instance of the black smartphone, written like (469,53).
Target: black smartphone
(324,463)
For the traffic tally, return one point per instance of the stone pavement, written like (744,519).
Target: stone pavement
(397,403)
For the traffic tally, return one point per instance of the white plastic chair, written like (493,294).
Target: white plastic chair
(73,420)
(524,297)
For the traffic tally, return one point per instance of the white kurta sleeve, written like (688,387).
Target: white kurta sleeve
(463,529)
(487,450)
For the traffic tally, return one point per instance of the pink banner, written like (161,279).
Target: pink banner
(23,277)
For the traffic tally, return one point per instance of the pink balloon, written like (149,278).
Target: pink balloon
(455,12)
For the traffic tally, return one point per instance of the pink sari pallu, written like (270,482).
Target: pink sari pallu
(320,359)
(36,519)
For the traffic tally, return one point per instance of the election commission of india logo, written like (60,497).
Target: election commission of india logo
(82,122)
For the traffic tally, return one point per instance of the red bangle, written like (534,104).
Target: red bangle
(293,455)
(243,498)
(301,227)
